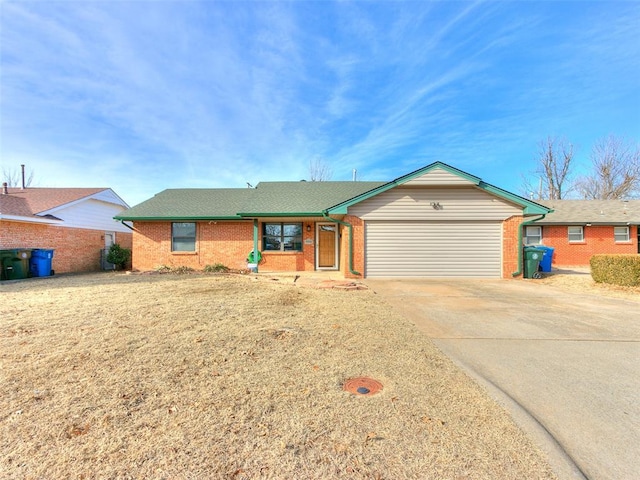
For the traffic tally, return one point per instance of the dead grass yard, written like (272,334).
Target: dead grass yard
(203,376)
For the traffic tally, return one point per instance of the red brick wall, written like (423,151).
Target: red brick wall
(227,243)
(76,249)
(597,239)
(358,247)
(291,261)
(510,245)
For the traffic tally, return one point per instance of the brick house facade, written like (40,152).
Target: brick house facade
(76,223)
(579,229)
(305,219)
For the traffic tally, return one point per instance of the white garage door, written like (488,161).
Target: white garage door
(433,249)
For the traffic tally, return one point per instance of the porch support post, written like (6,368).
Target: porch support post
(255,242)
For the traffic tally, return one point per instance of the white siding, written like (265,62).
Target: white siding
(438,176)
(93,215)
(433,249)
(407,203)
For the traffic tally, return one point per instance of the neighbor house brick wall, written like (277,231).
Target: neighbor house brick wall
(597,239)
(76,249)
(511,245)
(227,243)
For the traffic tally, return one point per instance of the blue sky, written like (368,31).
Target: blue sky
(147,95)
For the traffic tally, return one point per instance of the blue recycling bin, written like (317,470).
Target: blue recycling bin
(547,258)
(40,263)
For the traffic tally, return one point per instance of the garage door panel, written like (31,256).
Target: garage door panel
(432,249)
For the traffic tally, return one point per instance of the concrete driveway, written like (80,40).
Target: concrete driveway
(566,365)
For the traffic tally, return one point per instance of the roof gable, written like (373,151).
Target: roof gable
(445,175)
(40,204)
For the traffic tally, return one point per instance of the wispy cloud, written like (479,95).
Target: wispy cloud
(143,96)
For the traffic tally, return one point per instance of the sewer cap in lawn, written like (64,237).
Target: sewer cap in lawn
(364,386)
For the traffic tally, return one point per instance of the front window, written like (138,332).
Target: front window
(621,234)
(576,234)
(282,237)
(533,235)
(183,237)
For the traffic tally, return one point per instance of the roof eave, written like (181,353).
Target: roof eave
(175,218)
(34,219)
(280,214)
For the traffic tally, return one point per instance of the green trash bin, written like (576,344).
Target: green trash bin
(532,258)
(6,264)
(15,263)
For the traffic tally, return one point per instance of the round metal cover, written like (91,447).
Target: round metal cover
(363,386)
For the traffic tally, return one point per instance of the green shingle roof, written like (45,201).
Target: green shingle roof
(303,198)
(267,199)
(191,204)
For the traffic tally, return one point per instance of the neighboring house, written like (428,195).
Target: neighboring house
(578,229)
(77,223)
(435,222)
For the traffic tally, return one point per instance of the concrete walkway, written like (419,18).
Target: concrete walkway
(567,366)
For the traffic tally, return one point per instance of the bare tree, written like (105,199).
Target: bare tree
(554,166)
(616,171)
(13,177)
(319,171)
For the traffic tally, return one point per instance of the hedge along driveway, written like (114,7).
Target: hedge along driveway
(566,363)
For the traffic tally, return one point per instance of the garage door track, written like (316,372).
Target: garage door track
(565,364)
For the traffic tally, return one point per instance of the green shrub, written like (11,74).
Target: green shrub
(118,256)
(621,270)
(176,270)
(216,268)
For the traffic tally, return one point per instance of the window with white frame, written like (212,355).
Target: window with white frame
(576,234)
(183,237)
(621,234)
(533,235)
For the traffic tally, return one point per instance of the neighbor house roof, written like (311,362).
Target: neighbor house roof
(40,204)
(595,212)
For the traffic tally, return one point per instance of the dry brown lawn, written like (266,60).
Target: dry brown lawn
(204,376)
(578,280)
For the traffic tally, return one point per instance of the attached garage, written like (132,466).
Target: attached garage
(433,249)
(439,222)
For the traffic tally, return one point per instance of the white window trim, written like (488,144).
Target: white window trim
(527,234)
(628,239)
(581,234)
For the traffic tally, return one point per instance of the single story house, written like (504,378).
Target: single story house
(579,229)
(77,223)
(437,221)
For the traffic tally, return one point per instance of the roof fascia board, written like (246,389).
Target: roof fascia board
(530,208)
(583,223)
(277,214)
(173,219)
(35,219)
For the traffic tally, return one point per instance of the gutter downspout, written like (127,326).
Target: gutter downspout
(350,228)
(520,230)
(128,226)
(255,242)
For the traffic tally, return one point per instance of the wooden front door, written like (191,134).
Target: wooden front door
(327,236)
